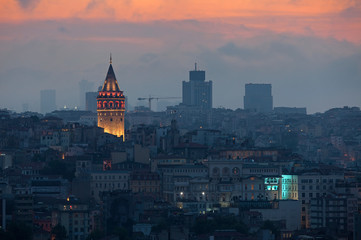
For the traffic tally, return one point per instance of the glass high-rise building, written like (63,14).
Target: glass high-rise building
(197,92)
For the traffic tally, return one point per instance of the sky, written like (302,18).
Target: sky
(310,51)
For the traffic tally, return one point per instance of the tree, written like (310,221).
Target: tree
(163,225)
(95,235)
(59,232)
(204,225)
(270,225)
(123,234)
(17,231)
(57,167)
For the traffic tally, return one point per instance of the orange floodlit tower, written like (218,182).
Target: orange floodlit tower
(111,105)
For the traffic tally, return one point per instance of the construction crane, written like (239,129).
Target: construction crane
(150,99)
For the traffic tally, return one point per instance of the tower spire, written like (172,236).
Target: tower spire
(195,66)
(110,83)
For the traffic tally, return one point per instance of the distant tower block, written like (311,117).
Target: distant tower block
(197,92)
(111,105)
(258,97)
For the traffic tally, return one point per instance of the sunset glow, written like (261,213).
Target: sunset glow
(326,18)
(150,10)
(293,44)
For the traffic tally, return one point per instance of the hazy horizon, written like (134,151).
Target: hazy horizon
(309,52)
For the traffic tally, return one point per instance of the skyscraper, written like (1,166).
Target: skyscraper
(47,101)
(197,92)
(111,105)
(258,97)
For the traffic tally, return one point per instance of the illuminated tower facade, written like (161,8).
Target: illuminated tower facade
(111,105)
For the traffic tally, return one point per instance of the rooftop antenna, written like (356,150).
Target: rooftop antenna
(110,58)
(195,66)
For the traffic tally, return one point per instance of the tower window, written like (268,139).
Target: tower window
(121,119)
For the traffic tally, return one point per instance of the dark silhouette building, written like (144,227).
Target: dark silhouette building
(258,97)
(197,92)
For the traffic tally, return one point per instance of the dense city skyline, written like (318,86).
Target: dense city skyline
(310,52)
(203,119)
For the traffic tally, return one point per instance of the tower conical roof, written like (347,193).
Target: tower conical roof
(110,83)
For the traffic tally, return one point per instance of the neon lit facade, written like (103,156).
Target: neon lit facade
(290,187)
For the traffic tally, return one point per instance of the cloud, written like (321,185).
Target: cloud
(155,57)
(148,57)
(304,72)
(295,2)
(328,18)
(262,50)
(62,30)
(99,8)
(351,12)
(230,49)
(28,4)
